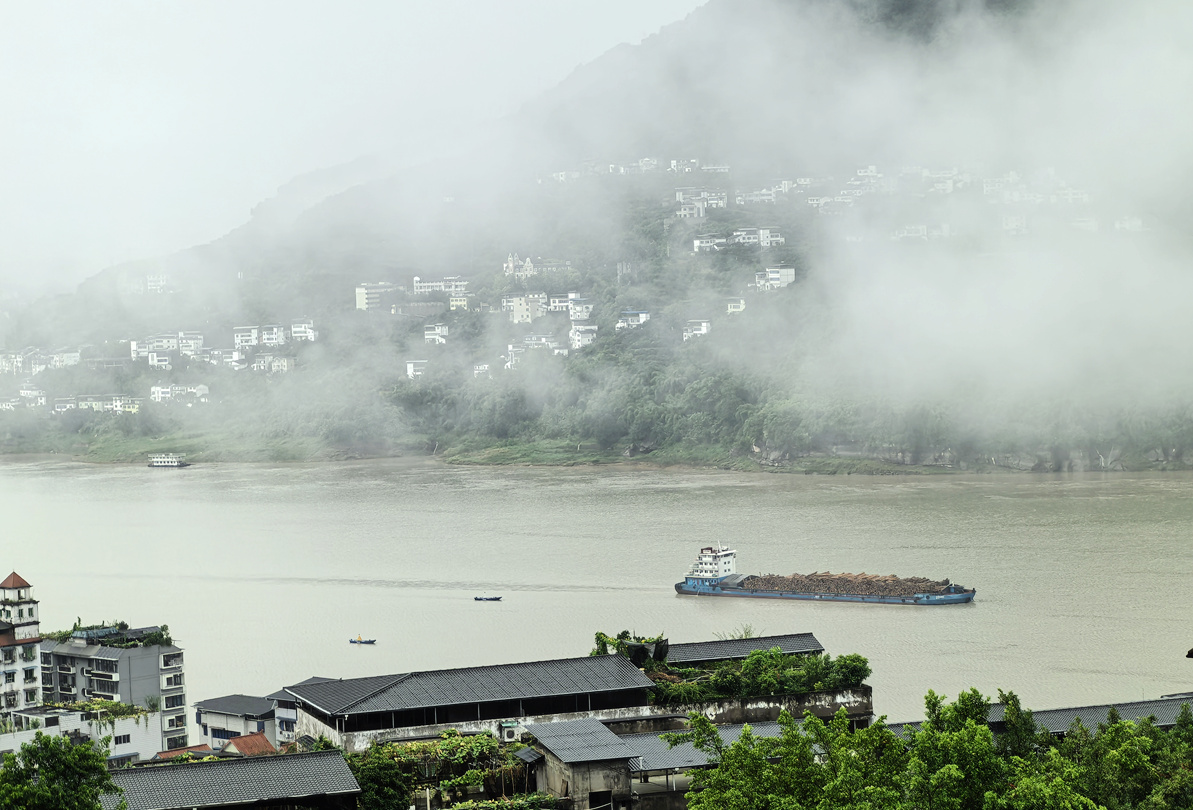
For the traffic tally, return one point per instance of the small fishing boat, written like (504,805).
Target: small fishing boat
(359,640)
(487,598)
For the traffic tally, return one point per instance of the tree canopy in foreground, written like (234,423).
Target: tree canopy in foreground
(951,762)
(54,773)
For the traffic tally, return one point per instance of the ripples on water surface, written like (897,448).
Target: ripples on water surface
(263,572)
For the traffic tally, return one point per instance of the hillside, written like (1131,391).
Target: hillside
(952,242)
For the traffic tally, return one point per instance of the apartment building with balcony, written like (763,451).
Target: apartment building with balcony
(20,646)
(138,666)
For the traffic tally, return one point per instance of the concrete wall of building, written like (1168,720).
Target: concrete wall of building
(580,779)
(236,724)
(144,734)
(858,704)
(143,679)
(669,800)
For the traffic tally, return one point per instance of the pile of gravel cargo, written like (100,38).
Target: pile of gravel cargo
(864,584)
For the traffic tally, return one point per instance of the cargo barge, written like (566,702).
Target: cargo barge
(715,574)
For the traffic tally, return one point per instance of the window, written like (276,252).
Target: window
(122,739)
(204,729)
(174,701)
(199,718)
(286,725)
(10,677)
(47,660)
(260,726)
(30,695)
(223,734)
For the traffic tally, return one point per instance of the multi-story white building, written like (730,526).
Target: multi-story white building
(20,646)
(776,277)
(764,237)
(561,302)
(524,308)
(696,328)
(245,336)
(435,333)
(522,269)
(303,330)
(135,735)
(189,394)
(631,318)
(190,343)
(221,719)
(147,673)
(582,333)
(580,309)
(370,295)
(448,284)
(64,357)
(273,334)
(167,342)
(708,242)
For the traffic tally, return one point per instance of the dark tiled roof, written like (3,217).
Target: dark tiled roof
(241,705)
(282,694)
(335,697)
(1057,721)
(234,781)
(528,755)
(584,740)
(448,687)
(733,648)
(652,754)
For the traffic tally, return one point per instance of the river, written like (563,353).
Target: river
(263,572)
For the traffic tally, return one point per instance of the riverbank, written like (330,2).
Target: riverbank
(235,447)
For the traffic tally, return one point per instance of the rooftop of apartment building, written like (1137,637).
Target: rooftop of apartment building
(83,640)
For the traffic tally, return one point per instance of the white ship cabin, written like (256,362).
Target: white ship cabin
(715,562)
(167,460)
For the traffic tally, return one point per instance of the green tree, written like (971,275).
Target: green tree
(384,784)
(52,773)
(1050,783)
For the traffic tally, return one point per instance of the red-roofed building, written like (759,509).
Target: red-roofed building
(198,751)
(20,646)
(14,580)
(249,745)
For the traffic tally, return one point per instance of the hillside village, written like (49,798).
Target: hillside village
(256,348)
(705,256)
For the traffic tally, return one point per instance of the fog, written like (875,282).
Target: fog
(139,128)
(1017,259)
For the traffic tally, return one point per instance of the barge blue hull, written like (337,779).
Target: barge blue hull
(690,588)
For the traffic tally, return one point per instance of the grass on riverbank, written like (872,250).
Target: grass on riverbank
(540,453)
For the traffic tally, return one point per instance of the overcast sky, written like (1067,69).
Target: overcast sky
(135,128)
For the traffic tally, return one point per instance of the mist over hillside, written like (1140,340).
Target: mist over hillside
(1034,145)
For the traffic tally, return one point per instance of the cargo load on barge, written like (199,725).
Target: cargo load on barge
(715,574)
